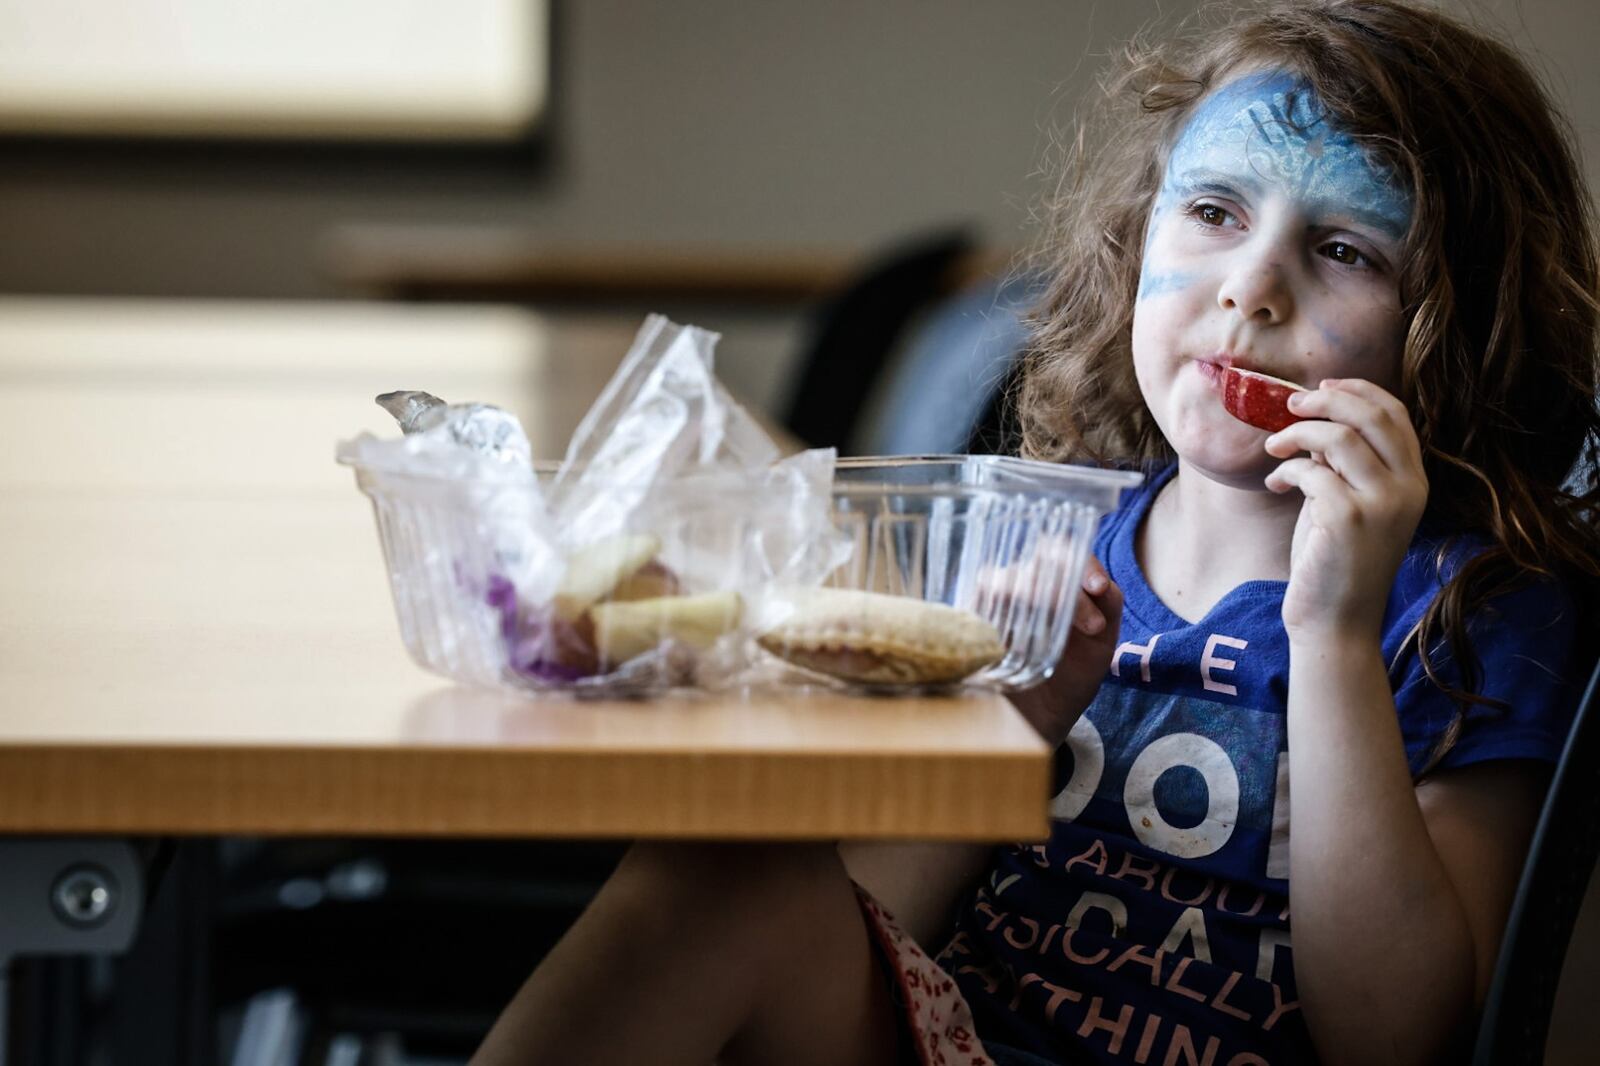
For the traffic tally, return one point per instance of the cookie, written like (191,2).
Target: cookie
(876,639)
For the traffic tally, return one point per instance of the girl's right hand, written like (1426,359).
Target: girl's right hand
(1054,706)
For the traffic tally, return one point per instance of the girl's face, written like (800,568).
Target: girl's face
(1273,245)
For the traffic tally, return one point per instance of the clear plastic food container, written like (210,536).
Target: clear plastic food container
(989,549)
(957,570)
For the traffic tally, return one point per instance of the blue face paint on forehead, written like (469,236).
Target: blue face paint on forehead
(1272,130)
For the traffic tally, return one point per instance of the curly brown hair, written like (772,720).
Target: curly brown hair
(1498,282)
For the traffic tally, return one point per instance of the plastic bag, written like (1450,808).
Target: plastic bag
(630,567)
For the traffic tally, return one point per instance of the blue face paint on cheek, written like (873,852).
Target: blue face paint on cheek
(1152,283)
(1335,340)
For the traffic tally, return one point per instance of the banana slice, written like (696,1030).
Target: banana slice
(873,638)
(594,570)
(623,630)
(648,582)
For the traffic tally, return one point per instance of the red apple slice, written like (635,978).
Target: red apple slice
(1259,399)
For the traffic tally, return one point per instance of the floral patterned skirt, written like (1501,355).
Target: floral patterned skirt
(935,1021)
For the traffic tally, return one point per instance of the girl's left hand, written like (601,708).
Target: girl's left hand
(1364,489)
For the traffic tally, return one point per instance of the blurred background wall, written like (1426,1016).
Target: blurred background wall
(826,124)
(829,128)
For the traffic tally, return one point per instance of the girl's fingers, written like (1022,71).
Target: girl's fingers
(1375,394)
(1094,577)
(1099,602)
(1315,480)
(1369,409)
(1337,445)
(1087,618)
(1098,597)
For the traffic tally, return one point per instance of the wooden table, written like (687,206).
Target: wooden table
(248,399)
(196,635)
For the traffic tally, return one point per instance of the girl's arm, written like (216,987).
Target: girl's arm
(1399,894)
(920,882)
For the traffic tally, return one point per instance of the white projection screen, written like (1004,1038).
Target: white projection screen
(383,70)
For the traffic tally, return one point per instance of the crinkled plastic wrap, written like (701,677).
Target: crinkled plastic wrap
(631,567)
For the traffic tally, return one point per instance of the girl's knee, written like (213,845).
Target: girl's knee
(768,879)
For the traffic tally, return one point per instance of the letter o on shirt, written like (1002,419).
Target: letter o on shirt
(1222,795)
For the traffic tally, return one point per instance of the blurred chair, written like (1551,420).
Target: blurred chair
(945,389)
(854,334)
(1516,1016)
(370,950)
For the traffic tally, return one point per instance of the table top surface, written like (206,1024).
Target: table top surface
(197,636)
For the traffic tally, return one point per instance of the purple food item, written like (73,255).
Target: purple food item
(502,596)
(530,659)
(540,644)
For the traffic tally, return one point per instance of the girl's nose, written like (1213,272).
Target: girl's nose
(1258,291)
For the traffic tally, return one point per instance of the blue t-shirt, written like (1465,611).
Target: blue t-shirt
(1153,925)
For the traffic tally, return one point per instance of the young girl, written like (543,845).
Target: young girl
(1375,203)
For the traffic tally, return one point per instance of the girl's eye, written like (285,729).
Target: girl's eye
(1209,214)
(1347,254)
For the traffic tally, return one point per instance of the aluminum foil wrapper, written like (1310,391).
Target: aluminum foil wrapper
(472,462)
(484,428)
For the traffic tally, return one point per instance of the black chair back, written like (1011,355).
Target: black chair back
(1566,844)
(854,334)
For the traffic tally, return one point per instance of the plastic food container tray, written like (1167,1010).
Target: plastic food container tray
(1002,539)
